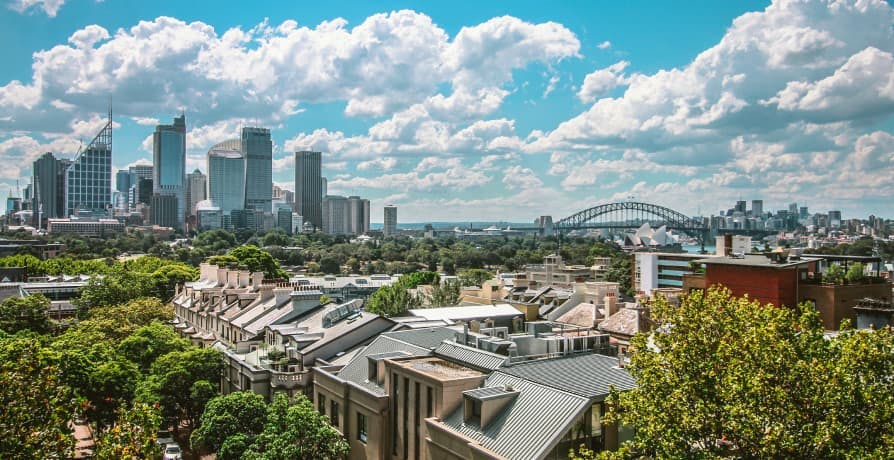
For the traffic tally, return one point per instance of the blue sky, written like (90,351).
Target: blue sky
(479,110)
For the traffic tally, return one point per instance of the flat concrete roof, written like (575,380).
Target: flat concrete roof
(438,368)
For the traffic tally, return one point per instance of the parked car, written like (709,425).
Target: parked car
(173,452)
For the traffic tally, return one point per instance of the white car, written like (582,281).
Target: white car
(173,452)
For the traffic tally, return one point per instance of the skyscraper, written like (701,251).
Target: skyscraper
(336,215)
(122,180)
(835,219)
(196,190)
(358,209)
(49,187)
(390,227)
(308,187)
(88,179)
(226,176)
(757,208)
(169,160)
(258,150)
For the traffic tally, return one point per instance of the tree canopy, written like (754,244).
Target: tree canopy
(240,413)
(296,430)
(728,377)
(25,313)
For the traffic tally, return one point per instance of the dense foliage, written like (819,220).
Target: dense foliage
(25,313)
(728,377)
(36,403)
(243,426)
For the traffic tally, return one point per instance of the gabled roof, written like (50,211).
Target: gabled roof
(587,375)
(471,357)
(528,427)
(415,342)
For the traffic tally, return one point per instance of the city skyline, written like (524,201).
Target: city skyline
(552,111)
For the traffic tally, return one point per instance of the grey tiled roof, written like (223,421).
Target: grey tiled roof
(528,427)
(472,357)
(587,375)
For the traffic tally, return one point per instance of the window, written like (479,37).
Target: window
(333,408)
(429,402)
(321,403)
(361,427)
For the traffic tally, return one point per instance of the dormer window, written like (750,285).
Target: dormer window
(482,405)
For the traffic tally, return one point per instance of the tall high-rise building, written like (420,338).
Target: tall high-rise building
(122,180)
(49,188)
(757,208)
(345,216)
(803,213)
(835,219)
(164,210)
(258,150)
(324,187)
(358,208)
(169,161)
(740,206)
(196,190)
(336,215)
(308,187)
(390,222)
(88,179)
(226,176)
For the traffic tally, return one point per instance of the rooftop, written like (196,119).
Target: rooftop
(752,260)
(588,375)
(527,427)
(467,313)
(438,368)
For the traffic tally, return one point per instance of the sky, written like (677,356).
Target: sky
(478,110)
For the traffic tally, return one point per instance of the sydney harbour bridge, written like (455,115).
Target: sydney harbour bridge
(626,215)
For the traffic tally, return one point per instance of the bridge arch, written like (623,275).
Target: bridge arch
(631,214)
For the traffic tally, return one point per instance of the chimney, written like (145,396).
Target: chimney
(244,278)
(611,304)
(256,279)
(727,244)
(232,279)
(221,276)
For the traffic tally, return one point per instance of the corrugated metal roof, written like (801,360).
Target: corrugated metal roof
(472,357)
(527,427)
(416,342)
(490,392)
(588,375)
(428,338)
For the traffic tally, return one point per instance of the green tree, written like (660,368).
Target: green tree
(391,301)
(329,266)
(728,377)
(445,294)
(412,280)
(112,385)
(172,377)
(297,431)
(116,288)
(241,413)
(254,259)
(854,273)
(620,272)
(36,404)
(133,435)
(474,277)
(25,313)
(146,344)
